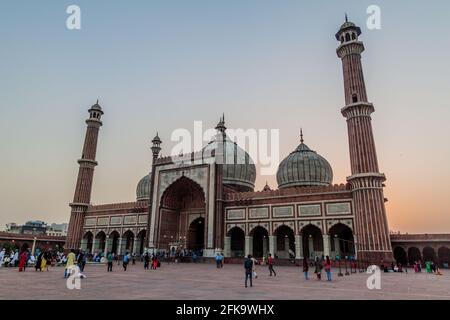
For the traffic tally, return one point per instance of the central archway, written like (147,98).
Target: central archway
(182,216)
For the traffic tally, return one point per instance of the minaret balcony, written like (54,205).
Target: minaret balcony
(370,180)
(358,109)
(87,163)
(94,122)
(350,47)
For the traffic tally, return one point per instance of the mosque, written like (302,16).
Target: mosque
(211,205)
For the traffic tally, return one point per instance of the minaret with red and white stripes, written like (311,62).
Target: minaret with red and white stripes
(371,227)
(82,197)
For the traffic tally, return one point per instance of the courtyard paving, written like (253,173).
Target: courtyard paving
(204,281)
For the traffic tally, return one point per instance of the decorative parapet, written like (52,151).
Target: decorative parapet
(119,206)
(187,158)
(232,196)
(438,237)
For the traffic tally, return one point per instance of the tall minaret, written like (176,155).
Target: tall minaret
(156,149)
(371,226)
(83,188)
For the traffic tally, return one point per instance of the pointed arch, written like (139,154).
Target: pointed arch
(237,241)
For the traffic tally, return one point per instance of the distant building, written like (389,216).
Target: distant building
(13,228)
(37,227)
(57,229)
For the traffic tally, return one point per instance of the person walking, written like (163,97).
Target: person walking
(37,266)
(328,268)
(2,256)
(318,269)
(218,260)
(254,262)
(126,260)
(155,262)
(428,266)
(23,261)
(133,259)
(146,261)
(305,268)
(80,259)
(270,263)
(248,266)
(71,258)
(110,259)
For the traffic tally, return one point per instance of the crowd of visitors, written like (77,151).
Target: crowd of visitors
(41,260)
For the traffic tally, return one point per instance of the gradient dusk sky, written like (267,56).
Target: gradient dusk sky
(161,65)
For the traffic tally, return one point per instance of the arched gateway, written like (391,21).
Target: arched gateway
(182,216)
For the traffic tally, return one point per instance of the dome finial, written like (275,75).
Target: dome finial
(301,135)
(221,125)
(346,17)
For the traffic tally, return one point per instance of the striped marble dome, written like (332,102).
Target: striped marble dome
(143,189)
(304,167)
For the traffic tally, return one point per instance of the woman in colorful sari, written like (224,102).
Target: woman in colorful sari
(23,260)
(44,262)
(70,263)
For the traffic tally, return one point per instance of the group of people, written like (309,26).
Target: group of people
(41,259)
(250,268)
(10,259)
(154,259)
(319,264)
(150,261)
(431,267)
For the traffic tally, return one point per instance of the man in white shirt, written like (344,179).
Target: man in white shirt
(2,256)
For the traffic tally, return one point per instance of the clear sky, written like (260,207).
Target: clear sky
(161,65)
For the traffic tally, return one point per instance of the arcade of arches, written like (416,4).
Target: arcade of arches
(285,244)
(439,254)
(114,242)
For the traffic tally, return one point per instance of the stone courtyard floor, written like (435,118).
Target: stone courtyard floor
(204,281)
